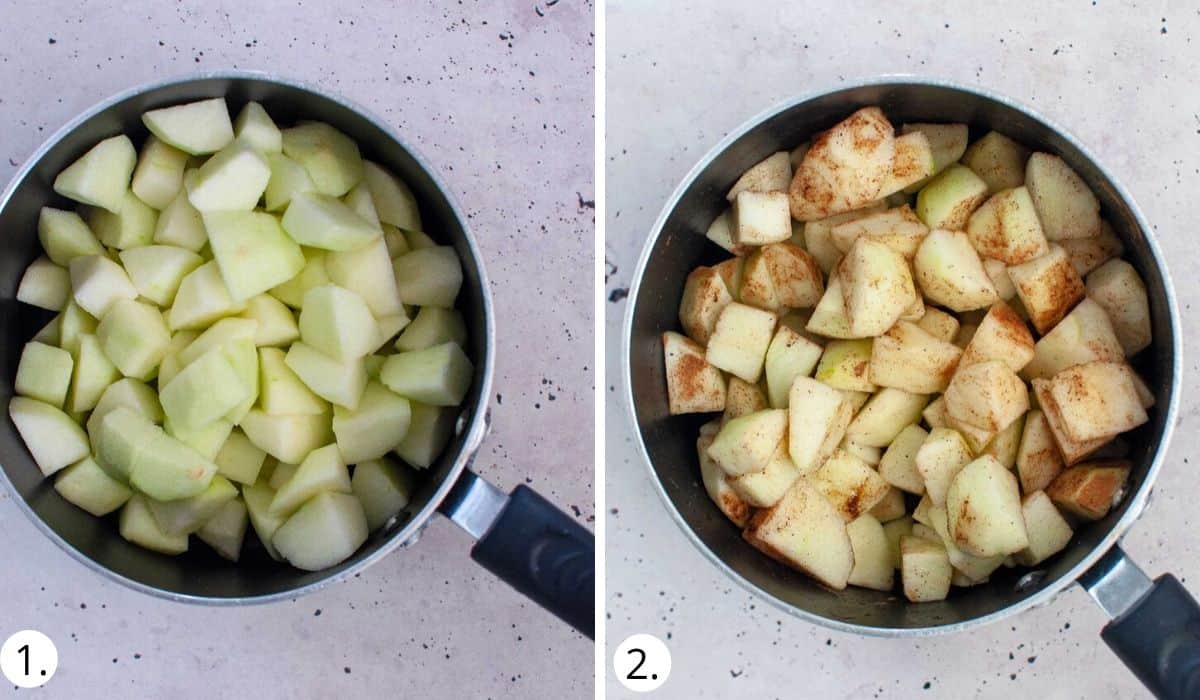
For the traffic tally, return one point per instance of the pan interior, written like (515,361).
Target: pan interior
(670,442)
(200,573)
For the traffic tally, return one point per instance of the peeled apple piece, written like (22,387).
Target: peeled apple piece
(322,221)
(158,176)
(276,324)
(44,373)
(89,487)
(239,459)
(322,470)
(44,285)
(359,200)
(287,438)
(433,326)
(255,127)
(394,201)
(439,376)
(252,252)
(338,323)
(429,276)
(429,429)
(330,157)
(384,489)
(137,525)
(180,225)
(64,236)
(226,529)
(166,469)
(134,336)
(233,179)
(258,500)
(282,392)
(201,299)
(374,428)
(101,176)
(197,128)
(53,438)
(92,375)
(204,391)
(157,270)
(327,530)
(368,273)
(287,179)
(337,381)
(132,226)
(186,515)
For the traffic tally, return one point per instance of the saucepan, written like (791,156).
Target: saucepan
(522,538)
(1155,625)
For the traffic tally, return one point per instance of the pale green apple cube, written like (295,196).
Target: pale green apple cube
(239,459)
(132,226)
(394,201)
(429,276)
(330,157)
(180,225)
(322,470)
(311,276)
(93,373)
(359,199)
(157,270)
(97,282)
(252,251)
(374,428)
(207,441)
(368,273)
(327,530)
(202,298)
(388,327)
(383,487)
(158,177)
(438,376)
(281,391)
(281,474)
(53,438)
(258,502)
(128,393)
(186,515)
(196,128)
(45,285)
(322,221)
(288,438)
(256,128)
(244,357)
(89,487)
(276,323)
(226,530)
(429,429)
(338,323)
(433,326)
(137,525)
(119,438)
(287,179)
(134,336)
(101,176)
(44,373)
(223,332)
(204,391)
(64,236)
(166,469)
(233,179)
(73,323)
(337,381)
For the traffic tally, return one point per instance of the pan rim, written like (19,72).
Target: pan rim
(1137,500)
(472,434)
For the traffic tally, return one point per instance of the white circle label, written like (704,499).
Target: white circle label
(28,659)
(642,663)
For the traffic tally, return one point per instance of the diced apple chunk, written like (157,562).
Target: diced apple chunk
(987,395)
(1119,290)
(1048,287)
(998,160)
(394,201)
(187,515)
(44,373)
(767,486)
(850,484)
(1088,491)
(898,466)
(288,178)
(134,336)
(983,506)
(370,431)
(438,376)
(1001,336)
(938,460)
(906,357)
(1087,254)
(258,499)
(1006,228)
(52,437)
(772,174)
(204,391)
(368,272)
(429,276)
(924,569)
(846,364)
(951,274)
(693,385)
(89,487)
(939,324)
(282,392)
(817,420)
(288,438)
(1084,335)
(330,157)
(1097,400)
(760,218)
(137,525)
(740,340)
(157,270)
(197,128)
(337,381)
(252,252)
(805,531)
(742,398)
(885,415)
(829,318)
(429,429)
(872,555)
(226,530)
(256,128)
(321,221)
(64,236)
(321,471)
(845,167)
(790,355)
(704,296)
(745,444)
(101,176)
(201,299)
(898,228)
(1065,205)
(384,489)
(239,459)
(914,161)
(720,231)
(877,286)
(180,225)
(158,177)
(1049,532)
(717,485)
(325,531)
(1071,450)
(1038,460)
(947,201)
(92,374)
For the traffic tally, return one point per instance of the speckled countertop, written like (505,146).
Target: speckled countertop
(1119,75)
(499,97)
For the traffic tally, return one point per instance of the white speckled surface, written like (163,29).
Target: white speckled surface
(509,123)
(1119,75)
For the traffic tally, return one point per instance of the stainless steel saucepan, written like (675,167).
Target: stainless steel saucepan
(521,537)
(1156,624)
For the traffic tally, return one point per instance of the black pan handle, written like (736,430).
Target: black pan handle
(1155,626)
(530,544)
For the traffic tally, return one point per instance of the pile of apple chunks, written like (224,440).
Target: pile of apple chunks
(243,312)
(871,352)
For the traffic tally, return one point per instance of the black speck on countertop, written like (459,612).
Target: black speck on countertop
(585,203)
(926,686)
(735,674)
(575,509)
(618,294)
(317,612)
(55,41)
(346,669)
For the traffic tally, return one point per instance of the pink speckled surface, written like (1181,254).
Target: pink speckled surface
(509,123)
